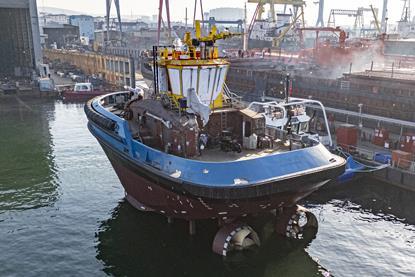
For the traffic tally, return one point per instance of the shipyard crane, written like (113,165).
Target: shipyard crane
(358,14)
(108,10)
(405,25)
(406,11)
(320,19)
(341,12)
(160,19)
(375,16)
(297,4)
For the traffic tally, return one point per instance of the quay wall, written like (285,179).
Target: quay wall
(396,177)
(116,70)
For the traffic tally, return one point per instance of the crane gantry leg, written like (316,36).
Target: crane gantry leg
(108,10)
(160,19)
(320,19)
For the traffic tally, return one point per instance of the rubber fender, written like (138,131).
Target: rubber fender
(97,118)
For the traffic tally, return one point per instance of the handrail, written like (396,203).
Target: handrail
(306,102)
(235,98)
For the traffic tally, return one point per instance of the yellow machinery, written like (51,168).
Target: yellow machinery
(194,65)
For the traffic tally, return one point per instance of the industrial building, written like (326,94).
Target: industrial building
(131,26)
(61,35)
(85,24)
(101,36)
(20,51)
(46,19)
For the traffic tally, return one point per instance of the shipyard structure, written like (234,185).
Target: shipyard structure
(20,50)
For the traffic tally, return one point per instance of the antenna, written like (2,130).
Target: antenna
(185,19)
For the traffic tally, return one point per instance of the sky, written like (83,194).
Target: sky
(177,7)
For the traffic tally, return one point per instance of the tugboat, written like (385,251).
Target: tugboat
(188,149)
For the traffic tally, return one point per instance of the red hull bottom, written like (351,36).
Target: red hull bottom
(146,195)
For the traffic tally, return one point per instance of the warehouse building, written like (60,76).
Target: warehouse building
(20,51)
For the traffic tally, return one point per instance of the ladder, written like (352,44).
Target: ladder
(174,104)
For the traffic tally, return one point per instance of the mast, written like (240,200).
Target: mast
(287,87)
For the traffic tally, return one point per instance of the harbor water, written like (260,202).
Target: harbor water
(63,213)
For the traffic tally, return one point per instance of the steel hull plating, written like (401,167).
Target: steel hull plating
(149,192)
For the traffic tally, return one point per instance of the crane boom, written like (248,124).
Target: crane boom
(375,16)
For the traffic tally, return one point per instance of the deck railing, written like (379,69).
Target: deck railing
(235,100)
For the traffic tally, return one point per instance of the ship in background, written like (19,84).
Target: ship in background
(264,31)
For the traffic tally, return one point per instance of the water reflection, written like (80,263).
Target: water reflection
(361,225)
(27,169)
(365,229)
(133,243)
(368,195)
